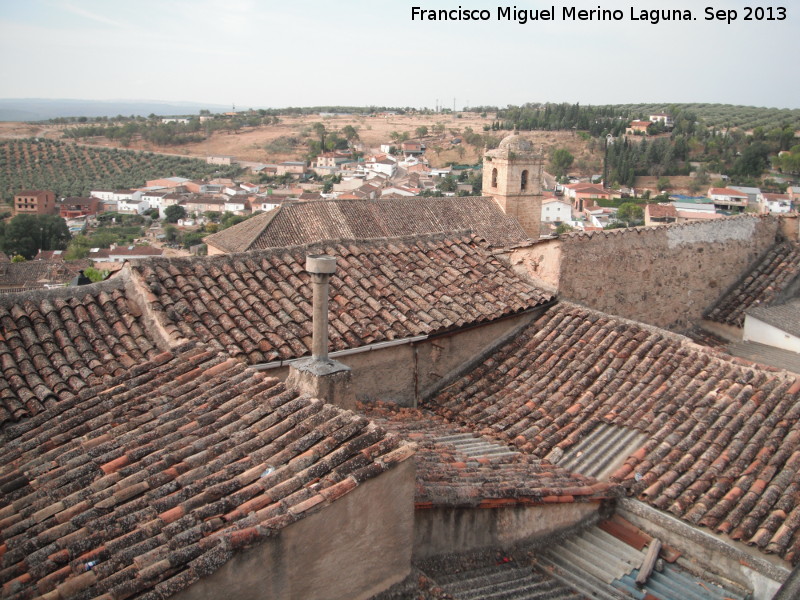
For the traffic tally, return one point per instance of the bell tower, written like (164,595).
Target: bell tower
(512,175)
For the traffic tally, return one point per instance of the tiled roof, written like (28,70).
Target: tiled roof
(723,440)
(660,211)
(765,283)
(55,343)
(476,472)
(257,305)
(726,192)
(307,222)
(154,479)
(35,274)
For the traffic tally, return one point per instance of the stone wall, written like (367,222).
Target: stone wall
(665,276)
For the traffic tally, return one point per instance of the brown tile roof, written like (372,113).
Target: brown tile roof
(767,282)
(660,211)
(449,475)
(257,305)
(55,343)
(723,440)
(297,223)
(35,274)
(156,478)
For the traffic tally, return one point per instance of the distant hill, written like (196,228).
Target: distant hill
(41,109)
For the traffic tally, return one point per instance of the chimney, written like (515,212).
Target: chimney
(321,268)
(319,375)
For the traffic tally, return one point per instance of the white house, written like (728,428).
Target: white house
(384,166)
(728,199)
(154,199)
(235,205)
(556,210)
(776,326)
(774,203)
(132,207)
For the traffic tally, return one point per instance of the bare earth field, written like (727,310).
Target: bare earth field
(248,143)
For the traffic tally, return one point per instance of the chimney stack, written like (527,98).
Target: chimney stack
(321,268)
(319,375)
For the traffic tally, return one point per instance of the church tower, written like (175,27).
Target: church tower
(512,175)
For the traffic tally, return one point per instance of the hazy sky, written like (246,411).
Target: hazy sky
(265,53)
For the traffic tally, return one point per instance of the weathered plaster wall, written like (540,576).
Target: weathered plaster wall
(665,276)
(404,373)
(354,548)
(439,531)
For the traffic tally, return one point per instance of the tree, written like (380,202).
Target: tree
(560,161)
(27,234)
(630,213)
(170,233)
(321,131)
(663,184)
(350,133)
(447,184)
(421,131)
(173,213)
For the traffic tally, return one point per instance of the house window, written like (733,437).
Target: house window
(523,183)
(494,177)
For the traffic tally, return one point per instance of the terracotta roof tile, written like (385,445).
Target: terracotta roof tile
(257,305)
(147,481)
(721,447)
(296,223)
(55,343)
(449,474)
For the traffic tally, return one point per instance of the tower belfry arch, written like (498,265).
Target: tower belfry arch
(512,175)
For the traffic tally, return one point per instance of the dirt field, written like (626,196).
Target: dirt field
(248,144)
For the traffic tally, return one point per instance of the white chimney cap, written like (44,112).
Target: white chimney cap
(320,264)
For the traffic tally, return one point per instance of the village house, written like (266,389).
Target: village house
(129,206)
(385,166)
(35,202)
(662,118)
(75,208)
(118,254)
(412,148)
(583,195)
(171,184)
(220,159)
(155,199)
(774,203)
(294,168)
(638,127)
(556,210)
(728,199)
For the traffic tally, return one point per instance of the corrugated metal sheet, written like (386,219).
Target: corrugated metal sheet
(599,565)
(602,451)
(505,582)
(476,447)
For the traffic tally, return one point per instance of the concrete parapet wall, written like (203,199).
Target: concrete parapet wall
(440,531)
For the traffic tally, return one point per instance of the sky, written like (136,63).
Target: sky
(269,54)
